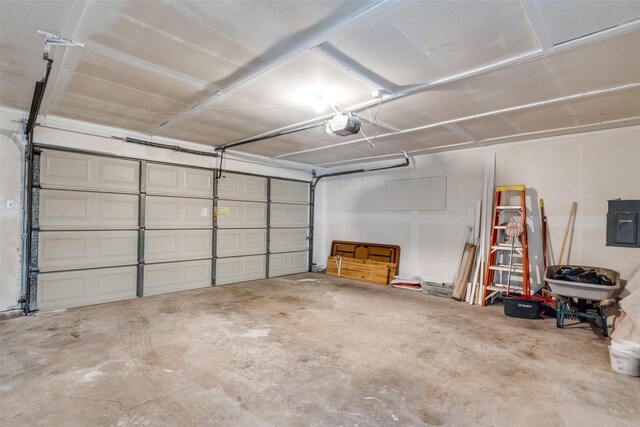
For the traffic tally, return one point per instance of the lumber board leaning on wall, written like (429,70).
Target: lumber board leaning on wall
(368,270)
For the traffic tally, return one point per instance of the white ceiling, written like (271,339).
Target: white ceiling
(459,73)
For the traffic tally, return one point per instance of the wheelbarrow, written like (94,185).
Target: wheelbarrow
(583,300)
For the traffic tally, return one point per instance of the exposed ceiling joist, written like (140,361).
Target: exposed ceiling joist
(343,60)
(536,22)
(463,133)
(475,116)
(628,27)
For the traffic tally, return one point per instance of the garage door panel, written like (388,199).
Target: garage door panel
(283,215)
(66,250)
(81,171)
(85,287)
(233,214)
(288,263)
(175,245)
(289,239)
(177,212)
(240,269)
(242,187)
(179,181)
(76,210)
(176,276)
(235,242)
(284,191)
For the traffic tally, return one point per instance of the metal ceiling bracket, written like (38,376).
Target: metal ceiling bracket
(54,39)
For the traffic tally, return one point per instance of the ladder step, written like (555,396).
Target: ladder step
(502,287)
(506,247)
(509,208)
(500,227)
(516,268)
(510,188)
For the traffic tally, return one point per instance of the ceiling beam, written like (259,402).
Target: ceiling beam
(529,56)
(468,136)
(306,44)
(536,22)
(329,51)
(629,121)
(475,116)
(633,121)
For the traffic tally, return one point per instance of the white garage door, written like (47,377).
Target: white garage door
(178,228)
(108,229)
(241,228)
(86,228)
(289,227)
(262,227)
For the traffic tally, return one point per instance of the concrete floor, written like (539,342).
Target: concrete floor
(306,350)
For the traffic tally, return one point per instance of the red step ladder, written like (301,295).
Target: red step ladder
(500,250)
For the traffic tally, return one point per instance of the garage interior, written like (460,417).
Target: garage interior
(188,189)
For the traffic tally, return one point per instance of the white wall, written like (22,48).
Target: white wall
(430,242)
(11,168)
(84,137)
(589,168)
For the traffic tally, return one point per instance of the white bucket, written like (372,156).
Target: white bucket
(625,357)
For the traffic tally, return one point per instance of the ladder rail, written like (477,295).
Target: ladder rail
(525,244)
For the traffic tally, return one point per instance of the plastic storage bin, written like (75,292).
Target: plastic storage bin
(525,308)
(625,357)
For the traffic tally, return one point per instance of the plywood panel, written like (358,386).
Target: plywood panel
(284,191)
(76,210)
(240,269)
(176,245)
(235,242)
(361,269)
(233,214)
(289,239)
(242,187)
(176,276)
(67,250)
(59,169)
(85,287)
(175,212)
(179,181)
(288,263)
(289,215)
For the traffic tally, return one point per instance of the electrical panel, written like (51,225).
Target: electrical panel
(622,223)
